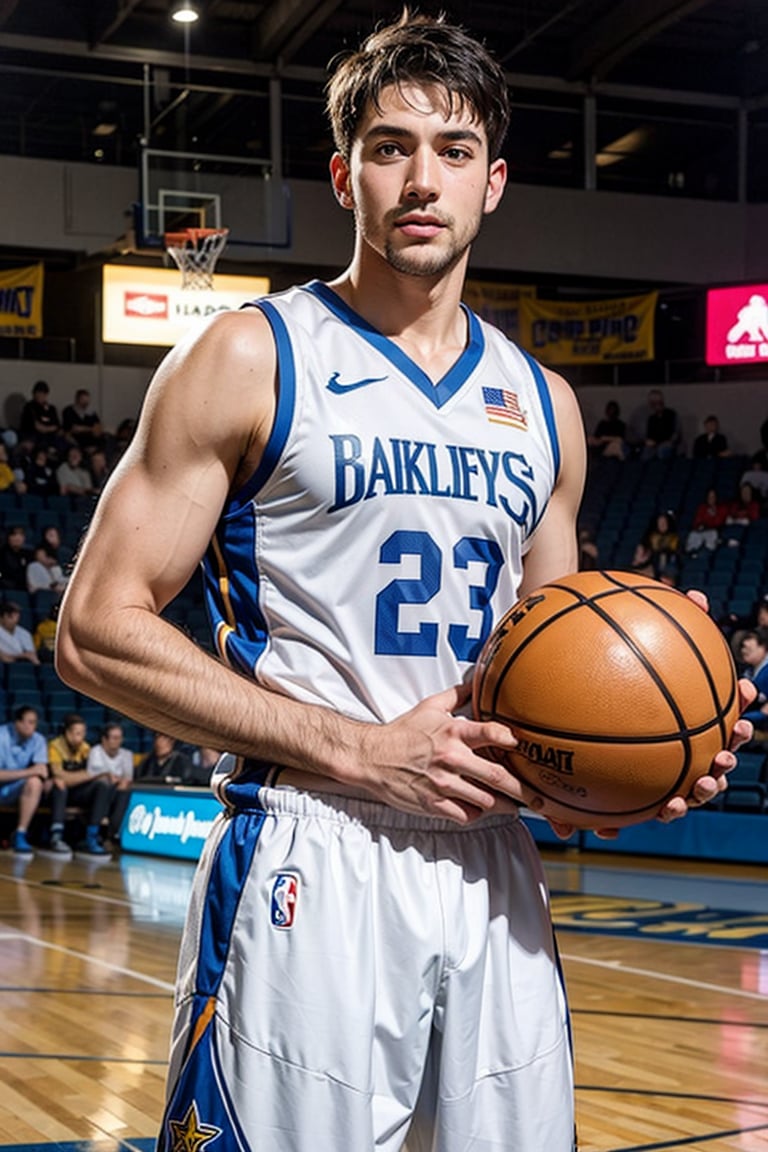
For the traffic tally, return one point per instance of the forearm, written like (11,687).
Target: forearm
(137,663)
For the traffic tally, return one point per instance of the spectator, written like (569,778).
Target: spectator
(204,760)
(40,420)
(754,657)
(97,463)
(120,440)
(610,435)
(103,794)
(23,773)
(40,474)
(51,538)
(82,424)
(711,443)
(658,552)
(11,479)
(108,758)
(709,519)
(757,476)
(165,764)
(16,643)
(14,558)
(662,430)
(741,513)
(45,635)
(73,478)
(43,572)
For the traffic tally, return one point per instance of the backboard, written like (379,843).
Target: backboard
(180,190)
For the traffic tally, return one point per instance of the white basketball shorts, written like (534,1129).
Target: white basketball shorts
(351,977)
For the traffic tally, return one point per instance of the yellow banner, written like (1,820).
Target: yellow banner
(21,301)
(497,303)
(589,331)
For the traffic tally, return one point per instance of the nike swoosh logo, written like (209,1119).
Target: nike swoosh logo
(335,386)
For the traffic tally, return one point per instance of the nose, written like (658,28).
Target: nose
(423,177)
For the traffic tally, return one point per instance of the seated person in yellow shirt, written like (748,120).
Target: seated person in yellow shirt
(98,795)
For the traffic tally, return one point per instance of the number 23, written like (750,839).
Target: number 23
(390,639)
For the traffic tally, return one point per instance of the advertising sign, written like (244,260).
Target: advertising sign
(168,821)
(737,325)
(21,302)
(149,306)
(613,331)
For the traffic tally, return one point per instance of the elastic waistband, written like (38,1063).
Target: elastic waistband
(239,797)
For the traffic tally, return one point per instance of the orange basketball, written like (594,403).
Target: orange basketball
(619,689)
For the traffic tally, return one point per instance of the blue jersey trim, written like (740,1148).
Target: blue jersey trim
(286,401)
(226,883)
(438,394)
(546,407)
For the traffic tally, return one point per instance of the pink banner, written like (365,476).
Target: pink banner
(737,325)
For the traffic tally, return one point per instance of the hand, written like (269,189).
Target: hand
(428,761)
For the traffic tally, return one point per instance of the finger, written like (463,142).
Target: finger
(450,698)
(747,693)
(699,598)
(673,810)
(743,731)
(487,734)
(725,761)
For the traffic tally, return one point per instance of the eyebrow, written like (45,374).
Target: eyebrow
(449,135)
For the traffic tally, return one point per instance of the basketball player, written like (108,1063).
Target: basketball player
(371,475)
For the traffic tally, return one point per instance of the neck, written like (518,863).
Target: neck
(419,310)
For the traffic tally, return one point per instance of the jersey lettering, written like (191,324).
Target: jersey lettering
(422,468)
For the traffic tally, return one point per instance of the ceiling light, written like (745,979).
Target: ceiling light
(185,13)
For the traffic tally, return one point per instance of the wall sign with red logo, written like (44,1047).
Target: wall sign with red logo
(737,325)
(149,306)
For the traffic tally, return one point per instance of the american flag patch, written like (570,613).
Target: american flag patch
(501,407)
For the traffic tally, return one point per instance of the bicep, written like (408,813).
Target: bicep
(159,509)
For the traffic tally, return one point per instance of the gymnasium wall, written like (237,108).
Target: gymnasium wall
(52,206)
(81,207)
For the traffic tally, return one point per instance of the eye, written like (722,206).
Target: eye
(388,148)
(457,154)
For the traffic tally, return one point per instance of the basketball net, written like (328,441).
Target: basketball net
(195,251)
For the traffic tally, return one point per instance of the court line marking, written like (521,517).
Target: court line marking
(617,966)
(118,968)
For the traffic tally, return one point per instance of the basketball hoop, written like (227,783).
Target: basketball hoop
(195,251)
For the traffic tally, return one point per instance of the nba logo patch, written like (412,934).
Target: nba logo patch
(285,896)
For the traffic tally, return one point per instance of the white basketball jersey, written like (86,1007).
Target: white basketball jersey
(365,562)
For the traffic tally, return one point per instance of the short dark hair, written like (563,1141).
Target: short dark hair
(8,606)
(424,51)
(70,719)
(22,711)
(40,386)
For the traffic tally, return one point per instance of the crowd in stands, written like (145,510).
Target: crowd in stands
(66,767)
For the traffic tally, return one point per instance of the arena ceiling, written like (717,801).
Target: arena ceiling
(87,79)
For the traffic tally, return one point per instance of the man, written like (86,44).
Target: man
(754,654)
(16,643)
(14,558)
(73,478)
(98,792)
(711,443)
(386,475)
(23,773)
(82,423)
(166,764)
(113,763)
(40,420)
(662,430)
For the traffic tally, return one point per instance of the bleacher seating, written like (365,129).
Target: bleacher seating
(23,683)
(622,498)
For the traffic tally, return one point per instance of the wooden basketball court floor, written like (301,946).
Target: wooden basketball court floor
(666,965)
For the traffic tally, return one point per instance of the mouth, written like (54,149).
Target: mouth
(420,227)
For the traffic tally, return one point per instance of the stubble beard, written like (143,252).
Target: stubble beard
(425,259)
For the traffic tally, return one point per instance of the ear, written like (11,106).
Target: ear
(497,180)
(340,178)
